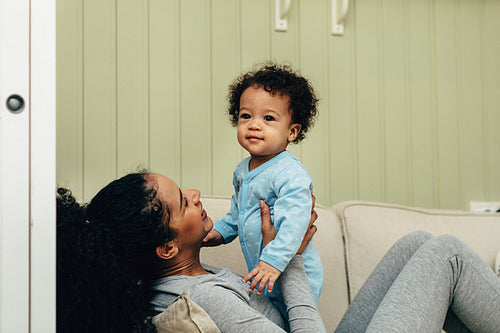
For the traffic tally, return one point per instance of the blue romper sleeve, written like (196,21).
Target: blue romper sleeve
(292,212)
(227,226)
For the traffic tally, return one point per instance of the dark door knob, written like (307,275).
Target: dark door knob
(15,103)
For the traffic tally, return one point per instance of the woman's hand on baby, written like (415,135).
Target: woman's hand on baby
(213,238)
(263,274)
(311,230)
(269,231)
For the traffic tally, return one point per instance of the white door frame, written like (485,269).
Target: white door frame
(27,167)
(43,166)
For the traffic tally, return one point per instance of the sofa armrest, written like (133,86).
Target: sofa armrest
(371,228)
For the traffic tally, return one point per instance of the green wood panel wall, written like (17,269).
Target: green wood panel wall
(69,93)
(164,89)
(409,109)
(99,94)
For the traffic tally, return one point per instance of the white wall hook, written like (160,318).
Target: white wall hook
(281,8)
(339,12)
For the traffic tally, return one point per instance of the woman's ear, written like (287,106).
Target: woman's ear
(167,251)
(294,130)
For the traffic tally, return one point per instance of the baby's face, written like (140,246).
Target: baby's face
(265,123)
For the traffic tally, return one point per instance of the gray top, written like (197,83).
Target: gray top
(233,308)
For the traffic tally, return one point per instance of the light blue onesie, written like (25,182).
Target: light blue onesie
(284,184)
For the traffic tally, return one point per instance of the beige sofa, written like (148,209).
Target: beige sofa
(353,236)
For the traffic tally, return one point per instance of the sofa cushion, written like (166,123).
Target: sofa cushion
(328,242)
(371,228)
(184,316)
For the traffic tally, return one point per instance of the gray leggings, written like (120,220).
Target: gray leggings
(425,283)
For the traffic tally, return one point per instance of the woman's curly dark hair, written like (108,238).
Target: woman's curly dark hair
(282,80)
(105,254)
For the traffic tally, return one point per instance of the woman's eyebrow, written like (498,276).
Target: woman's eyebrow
(180,199)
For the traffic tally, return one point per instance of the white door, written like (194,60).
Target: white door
(27,166)
(14,167)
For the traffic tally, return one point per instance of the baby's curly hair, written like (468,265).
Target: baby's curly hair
(282,80)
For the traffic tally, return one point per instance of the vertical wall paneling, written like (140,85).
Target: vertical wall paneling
(132,84)
(285,47)
(409,105)
(99,99)
(255,35)
(370,87)
(256,25)
(342,108)
(422,152)
(313,47)
(470,93)
(395,96)
(164,88)
(449,107)
(491,91)
(225,67)
(196,124)
(69,94)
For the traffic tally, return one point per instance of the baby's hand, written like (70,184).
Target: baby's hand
(263,273)
(213,238)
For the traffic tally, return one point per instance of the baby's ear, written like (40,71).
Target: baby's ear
(167,251)
(294,130)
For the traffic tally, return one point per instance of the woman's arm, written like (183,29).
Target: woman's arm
(302,311)
(232,312)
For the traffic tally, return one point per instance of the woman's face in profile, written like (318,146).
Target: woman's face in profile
(188,219)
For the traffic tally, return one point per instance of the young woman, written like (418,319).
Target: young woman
(135,247)
(128,253)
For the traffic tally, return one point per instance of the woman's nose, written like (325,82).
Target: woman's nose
(192,195)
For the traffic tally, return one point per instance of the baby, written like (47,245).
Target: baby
(271,107)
